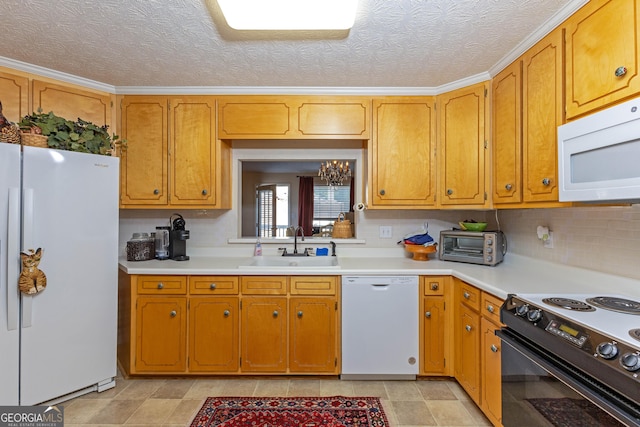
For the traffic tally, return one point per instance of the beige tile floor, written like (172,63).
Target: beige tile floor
(174,402)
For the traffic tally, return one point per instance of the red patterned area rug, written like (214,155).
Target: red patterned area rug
(335,411)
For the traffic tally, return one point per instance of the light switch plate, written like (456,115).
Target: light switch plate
(386,231)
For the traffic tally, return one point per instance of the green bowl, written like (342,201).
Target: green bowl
(473,226)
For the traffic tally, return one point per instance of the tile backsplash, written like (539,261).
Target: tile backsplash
(605,239)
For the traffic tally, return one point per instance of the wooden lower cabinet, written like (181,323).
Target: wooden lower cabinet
(312,335)
(213,334)
(477,348)
(161,324)
(435,324)
(264,334)
(172,324)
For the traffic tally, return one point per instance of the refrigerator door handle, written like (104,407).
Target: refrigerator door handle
(27,242)
(13,259)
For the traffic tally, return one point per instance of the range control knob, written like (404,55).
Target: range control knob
(534,315)
(607,350)
(630,362)
(522,310)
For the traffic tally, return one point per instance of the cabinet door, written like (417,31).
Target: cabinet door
(334,117)
(603,44)
(213,334)
(542,114)
(264,334)
(462,146)
(491,373)
(507,135)
(161,329)
(193,151)
(71,102)
(313,335)
(255,117)
(402,153)
(144,162)
(433,334)
(467,350)
(15,96)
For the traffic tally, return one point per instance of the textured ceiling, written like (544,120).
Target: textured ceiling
(165,43)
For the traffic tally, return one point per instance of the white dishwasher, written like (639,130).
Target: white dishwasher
(379,327)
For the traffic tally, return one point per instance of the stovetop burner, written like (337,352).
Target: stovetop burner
(635,333)
(618,304)
(568,304)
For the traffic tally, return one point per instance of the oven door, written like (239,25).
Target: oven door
(541,390)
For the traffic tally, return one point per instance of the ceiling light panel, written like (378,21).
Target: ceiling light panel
(289,14)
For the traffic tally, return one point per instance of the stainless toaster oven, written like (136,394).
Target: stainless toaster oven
(475,247)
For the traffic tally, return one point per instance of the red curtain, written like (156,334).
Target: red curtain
(305,205)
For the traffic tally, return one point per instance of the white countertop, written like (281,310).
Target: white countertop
(516,274)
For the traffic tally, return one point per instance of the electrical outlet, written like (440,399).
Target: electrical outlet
(549,242)
(386,231)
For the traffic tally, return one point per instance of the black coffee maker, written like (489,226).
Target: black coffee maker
(178,237)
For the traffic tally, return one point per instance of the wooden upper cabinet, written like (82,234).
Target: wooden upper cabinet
(144,163)
(173,158)
(602,49)
(542,113)
(462,147)
(72,103)
(401,153)
(293,117)
(507,135)
(14,92)
(193,151)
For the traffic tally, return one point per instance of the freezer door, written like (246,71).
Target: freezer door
(9,270)
(69,329)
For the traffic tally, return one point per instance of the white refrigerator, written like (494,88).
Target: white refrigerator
(61,342)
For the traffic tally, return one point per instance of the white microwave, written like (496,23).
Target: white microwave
(599,156)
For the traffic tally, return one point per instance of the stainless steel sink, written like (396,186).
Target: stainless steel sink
(310,262)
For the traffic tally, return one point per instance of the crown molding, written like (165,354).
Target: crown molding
(56,75)
(552,23)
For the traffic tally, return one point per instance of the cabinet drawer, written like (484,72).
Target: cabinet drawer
(168,285)
(432,285)
(314,285)
(214,285)
(491,307)
(468,295)
(263,285)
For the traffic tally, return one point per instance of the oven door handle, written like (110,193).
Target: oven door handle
(569,376)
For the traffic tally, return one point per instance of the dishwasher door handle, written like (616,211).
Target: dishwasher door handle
(380,286)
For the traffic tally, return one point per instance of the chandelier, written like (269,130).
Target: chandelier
(334,172)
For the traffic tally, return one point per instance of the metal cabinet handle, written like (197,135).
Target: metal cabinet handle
(226,313)
(490,308)
(494,348)
(434,286)
(156,191)
(300,313)
(212,286)
(620,71)
(468,328)
(204,192)
(546,181)
(173,313)
(427,315)
(508,187)
(160,285)
(382,192)
(466,295)
(449,191)
(275,313)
